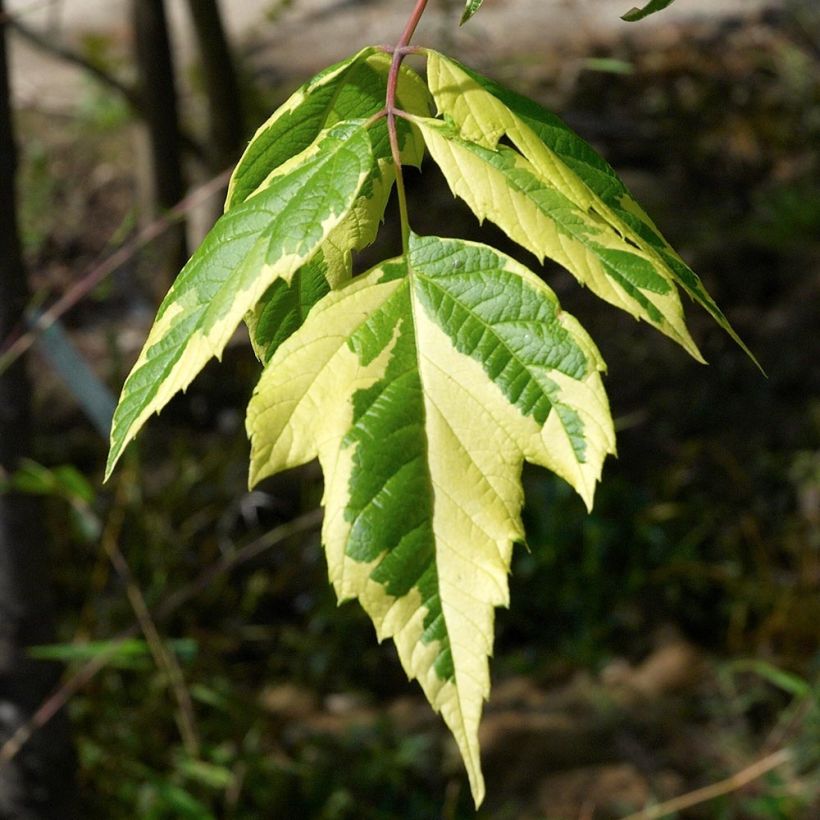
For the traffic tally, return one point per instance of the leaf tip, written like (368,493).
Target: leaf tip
(752,356)
(114,454)
(476,779)
(470,9)
(478,795)
(638,13)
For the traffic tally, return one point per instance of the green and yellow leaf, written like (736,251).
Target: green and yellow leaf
(360,86)
(502,186)
(268,237)
(352,89)
(643,275)
(292,127)
(422,386)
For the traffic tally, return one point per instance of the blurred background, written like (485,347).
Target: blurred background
(183,630)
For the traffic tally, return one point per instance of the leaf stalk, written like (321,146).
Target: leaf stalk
(400,51)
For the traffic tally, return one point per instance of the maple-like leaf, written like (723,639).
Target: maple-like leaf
(422,386)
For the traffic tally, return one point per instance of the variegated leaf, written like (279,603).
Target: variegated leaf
(361,86)
(422,386)
(502,186)
(268,237)
(293,127)
(643,276)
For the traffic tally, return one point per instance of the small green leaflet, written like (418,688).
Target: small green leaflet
(269,236)
(470,9)
(422,386)
(632,16)
(635,14)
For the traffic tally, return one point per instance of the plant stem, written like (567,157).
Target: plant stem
(163,657)
(730,784)
(58,699)
(399,53)
(412,22)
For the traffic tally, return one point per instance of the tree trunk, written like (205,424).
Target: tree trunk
(39,782)
(158,93)
(225,121)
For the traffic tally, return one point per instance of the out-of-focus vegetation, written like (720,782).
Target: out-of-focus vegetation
(703,552)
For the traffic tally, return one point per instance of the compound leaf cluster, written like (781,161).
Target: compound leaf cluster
(423,384)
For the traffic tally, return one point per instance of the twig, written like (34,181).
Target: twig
(64,53)
(785,730)
(29,9)
(11,351)
(162,657)
(228,561)
(730,784)
(58,699)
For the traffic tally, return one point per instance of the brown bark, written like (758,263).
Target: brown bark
(39,781)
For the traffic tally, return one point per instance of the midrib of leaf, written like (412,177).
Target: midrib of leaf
(464,732)
(471,762)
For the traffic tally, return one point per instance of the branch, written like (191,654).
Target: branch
(11,350)
(62,52)
(58,699)
(730,784)
(163,658)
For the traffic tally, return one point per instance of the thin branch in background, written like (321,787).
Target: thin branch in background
(129,94)
(164,659)
(11,350)
(36,5)
(62,52)
(730,784)
(58,699)
(786,729)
